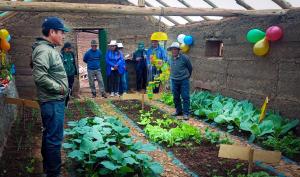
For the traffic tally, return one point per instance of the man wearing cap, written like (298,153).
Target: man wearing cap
(139,56)
(154,51)
(92,58)
(52,88)
(181,71)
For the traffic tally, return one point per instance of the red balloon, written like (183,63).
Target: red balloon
(274,33)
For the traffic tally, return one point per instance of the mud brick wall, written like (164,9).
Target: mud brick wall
(25,27)
(241,74)
(8,113)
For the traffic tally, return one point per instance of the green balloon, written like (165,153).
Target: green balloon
(255,35)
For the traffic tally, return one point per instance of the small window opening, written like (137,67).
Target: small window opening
(214,48)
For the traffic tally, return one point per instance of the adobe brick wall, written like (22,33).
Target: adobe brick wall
(241,74)
(25,27)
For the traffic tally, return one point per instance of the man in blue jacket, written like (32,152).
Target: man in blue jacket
(181,71)
(92,59)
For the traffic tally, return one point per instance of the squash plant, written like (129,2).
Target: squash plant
(102,146)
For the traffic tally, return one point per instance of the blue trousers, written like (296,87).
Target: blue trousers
(53,126)
(181,88)
(123,85)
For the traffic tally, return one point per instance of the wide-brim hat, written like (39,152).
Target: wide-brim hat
(174,45)
(94,42)
(120,45)
(113,42)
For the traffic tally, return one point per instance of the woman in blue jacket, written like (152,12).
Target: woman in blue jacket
(114,59)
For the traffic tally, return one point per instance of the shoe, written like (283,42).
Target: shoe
(125,93)
(112,94)
(185,117)
(93,95)
(117,94)
(177,114)
(104,95)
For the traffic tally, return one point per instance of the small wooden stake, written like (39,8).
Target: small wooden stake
(250,166)
(143,100)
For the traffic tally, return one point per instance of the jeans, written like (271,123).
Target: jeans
(114,81)
(91,76)
(52,113)
(123,85)
(181,88)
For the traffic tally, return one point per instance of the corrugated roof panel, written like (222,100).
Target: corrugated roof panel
(265,4)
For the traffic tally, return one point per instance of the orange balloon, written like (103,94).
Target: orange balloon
(5,45)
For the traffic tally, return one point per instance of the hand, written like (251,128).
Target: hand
(62,92)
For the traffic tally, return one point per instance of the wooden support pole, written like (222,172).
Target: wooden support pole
(141,3)
(130,10)
(283,4)
(250,166)
(244,4)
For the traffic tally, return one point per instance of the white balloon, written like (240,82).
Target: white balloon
(180,38)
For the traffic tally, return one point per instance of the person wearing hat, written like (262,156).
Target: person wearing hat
(123,87)
(160,53)
(114,59)
(139,56)
(52,88)
(92,59)
(68,58)
(181,71)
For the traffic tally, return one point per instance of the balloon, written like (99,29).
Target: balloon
(4,34)
(8,38)
(188,40)
(255,35)
(184,48)
(180,38)
(274,33)
(261,48)
(5,45)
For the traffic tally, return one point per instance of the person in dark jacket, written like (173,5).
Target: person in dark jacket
(92,59)
(181,71)
(68,58)
(139,56)
(52,87)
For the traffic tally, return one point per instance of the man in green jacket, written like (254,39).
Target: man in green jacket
(52,88)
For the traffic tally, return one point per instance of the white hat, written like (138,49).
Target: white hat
(174,45)
(113,42)
(120,45)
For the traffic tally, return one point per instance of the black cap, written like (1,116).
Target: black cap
(54,23)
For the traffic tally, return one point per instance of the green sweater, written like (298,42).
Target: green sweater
(48,72)
(181,67)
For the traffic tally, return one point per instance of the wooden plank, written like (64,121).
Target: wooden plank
(131,10)
(283,4)
(15,101)
(234,152)
(244,4)
(267,156)
(31,104)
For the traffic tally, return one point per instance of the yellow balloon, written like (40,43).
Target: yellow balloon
(184,48)
(261,48)
(4,34)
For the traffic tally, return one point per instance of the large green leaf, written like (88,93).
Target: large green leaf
(109,165)
(76,154)
(72,123)
(82,122)
(266,127)
(125,169)
(148,147)
(86,145)
(101,153)
(287,127)
(246,126)
(68,145)
(220,119)
(156,168)
(130,160)
(116,153)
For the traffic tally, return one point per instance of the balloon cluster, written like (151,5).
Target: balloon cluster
(261,39)
(4,44)
(185,42)
(5,73)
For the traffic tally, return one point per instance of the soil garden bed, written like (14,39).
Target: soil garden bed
(199,158)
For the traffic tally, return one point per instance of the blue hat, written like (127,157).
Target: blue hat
(54,23)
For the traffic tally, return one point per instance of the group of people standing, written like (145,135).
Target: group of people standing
(54,72)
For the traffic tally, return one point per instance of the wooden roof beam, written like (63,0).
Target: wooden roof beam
(116,9)
(166,17)
(244,4)
(283,4)
(188,5)
(166,5)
